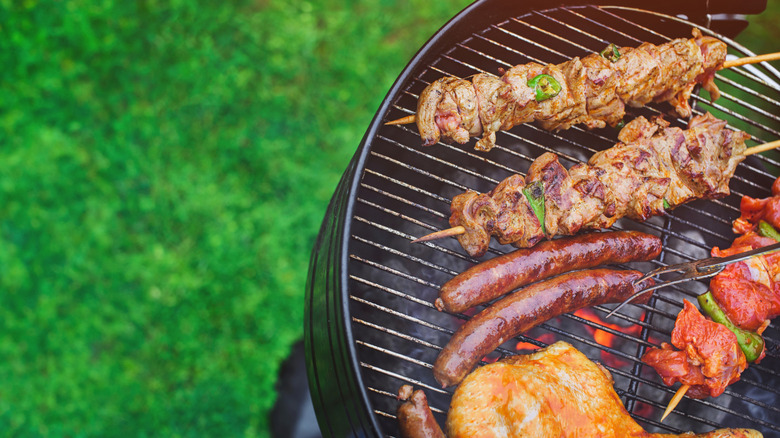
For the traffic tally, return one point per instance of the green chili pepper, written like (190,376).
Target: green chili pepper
(751,343)
(611,53)
(534,192)
(621,124)
(666,204)
(767,230)
(545,86)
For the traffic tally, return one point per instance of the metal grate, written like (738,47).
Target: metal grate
(404,191)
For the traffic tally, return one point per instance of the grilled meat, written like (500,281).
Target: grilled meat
(749,291)
(556,392)
(594,91)
(655,167)
(709,358)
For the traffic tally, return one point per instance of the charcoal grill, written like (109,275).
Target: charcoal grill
(370,324)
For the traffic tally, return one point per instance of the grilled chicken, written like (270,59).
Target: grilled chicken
(594,91)
(554,392)
(654,168)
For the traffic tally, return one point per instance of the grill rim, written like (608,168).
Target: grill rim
(335,235)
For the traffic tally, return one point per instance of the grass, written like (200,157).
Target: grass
(165,169)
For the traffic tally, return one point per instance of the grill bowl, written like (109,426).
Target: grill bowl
(370,322)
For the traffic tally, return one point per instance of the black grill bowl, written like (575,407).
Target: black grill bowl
(370,325)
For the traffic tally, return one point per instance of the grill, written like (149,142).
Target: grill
(370,321)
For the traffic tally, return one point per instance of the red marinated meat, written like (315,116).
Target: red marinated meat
(709,358)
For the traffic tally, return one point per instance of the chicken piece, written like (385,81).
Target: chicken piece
(754,210)
(448,109)
(568,107)
(476,212)
(709,358)
(713,52)
(604,107)
(525,99)
(637,69)
(494,99)
(515,220)
(749,291)
(554,392)
(681,62)
(703,163)
(573,199)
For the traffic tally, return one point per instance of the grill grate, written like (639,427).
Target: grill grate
(404,191)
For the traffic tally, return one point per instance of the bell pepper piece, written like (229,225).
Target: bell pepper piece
(611,53)
(751,343)
(544,86)
(767,230)
(534,192)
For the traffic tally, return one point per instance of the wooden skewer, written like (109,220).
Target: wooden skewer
(449,232)
(762,148)
(456,231)
(751,60)
(726,64)
(675,400)
(411,118)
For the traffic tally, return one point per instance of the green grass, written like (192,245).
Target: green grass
(165,169)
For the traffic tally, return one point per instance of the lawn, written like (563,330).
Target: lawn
(165,169)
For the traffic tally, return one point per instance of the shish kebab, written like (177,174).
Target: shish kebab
(710,351)
(593,90)
(654,168)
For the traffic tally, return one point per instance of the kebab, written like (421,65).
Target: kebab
(594,90)
(713,350)
(653,169)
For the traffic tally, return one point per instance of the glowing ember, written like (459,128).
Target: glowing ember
(547,338)
(605,338)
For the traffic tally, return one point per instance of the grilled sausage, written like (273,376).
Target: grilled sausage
(495,277)
(415,418)
(528,307)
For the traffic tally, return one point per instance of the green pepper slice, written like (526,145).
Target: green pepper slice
(534,192)
(611,53)
(751,343)
(767,230)
(544,86)
(666,204)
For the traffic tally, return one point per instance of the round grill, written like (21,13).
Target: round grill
(370,321)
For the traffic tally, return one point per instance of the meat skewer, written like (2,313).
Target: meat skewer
(741,301)
(593,90)
(654,169)
(726,65)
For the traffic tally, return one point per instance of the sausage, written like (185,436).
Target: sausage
(500,275)
(528,307)
(415,418)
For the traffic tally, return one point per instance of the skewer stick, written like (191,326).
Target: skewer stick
(411,118)
(726,64)
(762,148)
(751,60)
(449,232)
(456,231)
(675,400)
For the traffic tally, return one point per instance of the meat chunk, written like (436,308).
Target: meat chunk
(556,392)
(708,356)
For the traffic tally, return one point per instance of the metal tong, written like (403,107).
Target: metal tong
(695,270)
